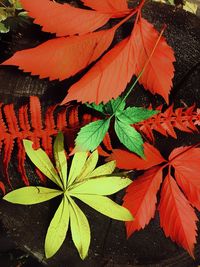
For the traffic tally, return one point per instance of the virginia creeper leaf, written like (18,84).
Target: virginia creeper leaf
(158,74)
(101,186)
(60,158)
(129,161)
(133,115)
(177,217)
(106,206)
(141,199)
(63,19)
(77,165)
(91,135)
(116,8)
(63,57)
(42,162)
(31,195)
(129,137)
(80,229)
(186,161)
(114,104)
(57,230)
(102,83)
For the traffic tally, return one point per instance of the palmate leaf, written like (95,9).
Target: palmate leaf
(42,162)
(31,195)
(85,183)
(64,19)
(60,158)
(129,137)
(91,135)
(106,206)
(57,230)
(80,229)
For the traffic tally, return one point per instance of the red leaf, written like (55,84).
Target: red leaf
(158,74)
(177,217)
(127,160)
(187,170)
(62,57)
(108,78)
(64,19)
(116,8)
(141,199)
(2,187)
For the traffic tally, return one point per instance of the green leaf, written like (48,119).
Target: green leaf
(113,105)
(60,158)
(133,115)
(105,169)
(31,195)
(89,166)
(129,137)
(101,186)
(91,135)
(3,28)
(57,230)
(42,162)
(77,165)
(106,206)
(99,108)
(80,229)
(16,3)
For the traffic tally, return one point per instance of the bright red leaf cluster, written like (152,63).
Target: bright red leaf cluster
(180,192)
(63,57)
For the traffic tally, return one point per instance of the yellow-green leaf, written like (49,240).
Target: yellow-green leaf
(57,230)
(77,165)
(89,166)
(105,169)
(42,162)
(80,229)
(101,186)
(31,195)
(60,158)
(106,206)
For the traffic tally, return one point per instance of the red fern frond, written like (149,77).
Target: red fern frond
(183,119)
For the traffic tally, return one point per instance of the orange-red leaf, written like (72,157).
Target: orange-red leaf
(116,8)
(159,72)
(177,217)
(64,19)
(108,78)
(187,172)
(62,57)
(141,199)
(129,161)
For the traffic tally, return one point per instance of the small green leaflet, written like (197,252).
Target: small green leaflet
(90,185)
(132,115)
(129,137)
(114,105)
(91,135)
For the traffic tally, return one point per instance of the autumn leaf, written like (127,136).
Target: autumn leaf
(141,199)
(127,160)
(46,60)
(115,8)
(64,19)
(177,217)
(107,78)
(158,74)
(186,164)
